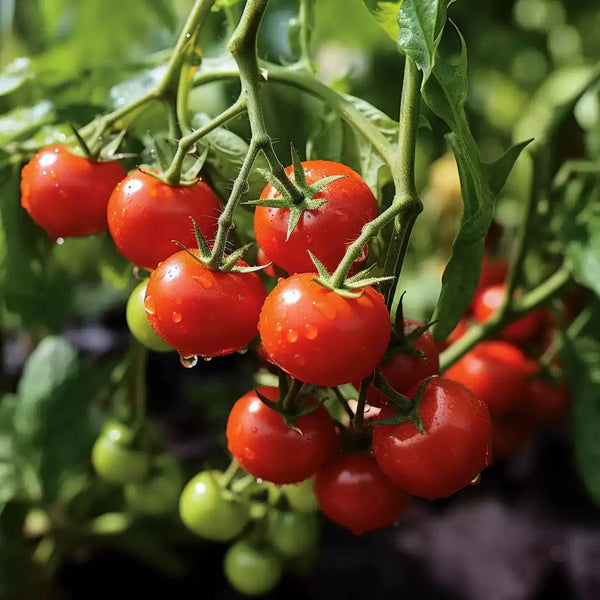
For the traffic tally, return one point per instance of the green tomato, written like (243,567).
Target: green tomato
(158,494)
(251,569)
(114,457)
(138,323)
(209,510)
(301,497)
(292,534)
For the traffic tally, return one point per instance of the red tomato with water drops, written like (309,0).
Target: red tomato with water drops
(353,492)
(545,404)
(497,372)
(66,194)
(320,337)
(453,449)
(263,445)
(326,231)
(145,215)
(488,302)
(203,312)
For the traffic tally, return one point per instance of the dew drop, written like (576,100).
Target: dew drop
(242,351)
(311,332)
(254,429)
(207,358)
(136,273)
(292,336)
(367,407)
(300,360)
(52,174)
(56,150)
(44,172)
(259,480)
(188,361)
(248,453)
(149,304)
(476,479)
(188,35)
(60,241)
(176,317)
(278,326)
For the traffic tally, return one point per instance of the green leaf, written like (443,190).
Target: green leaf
(21,121)
(581,359)
(386,14)
(127,91)
(51,415)
(10,476)
(14,75)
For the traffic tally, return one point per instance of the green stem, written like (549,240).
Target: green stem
(343,402)
(137,381)
(229,473)
(173,174)
(536,297)
(359,419)
(290,399)
(305,18)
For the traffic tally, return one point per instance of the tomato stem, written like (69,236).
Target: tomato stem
(137,381)
(343,402)
(359,419)
(306,16)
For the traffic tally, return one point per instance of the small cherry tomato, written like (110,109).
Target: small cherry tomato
(145,215)
(292,534)
(452,450)
(545,404)
(67,194)
(326,231)
(252,569)
(495,371)
(203,312)
(493,271)
(263,445)
(321,337)
(158,493)
(211,511)
(114,457)
(301,496)
(353,492)
(489,301)
(138,323)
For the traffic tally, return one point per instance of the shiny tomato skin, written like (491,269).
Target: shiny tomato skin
(326,231)
(404,371)
(145,215)
(496,371)
(488,301)
(353,492)
(320,337)
(263,445)
(203,312)
(67,194)
(454,448)
(545,404)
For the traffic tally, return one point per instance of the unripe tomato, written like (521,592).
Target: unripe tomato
(489,301)
(453,449)
(292,534)
(496,371)
(210,511)
(353,492)
(320,337)
(114,457)
(137,321)
(326,231)
(67,194)
(301,496)
(158,493)
(203,312)
(145,215)
(252,569)
(263,445)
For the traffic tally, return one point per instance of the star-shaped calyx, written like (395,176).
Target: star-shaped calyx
(299,198)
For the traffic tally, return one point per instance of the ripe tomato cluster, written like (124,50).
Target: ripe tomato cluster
(519,396)
(423,434)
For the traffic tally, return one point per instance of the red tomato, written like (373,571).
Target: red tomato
(320,337)
(145,215)
(263,445)
(493,271)
(496,371)
(455,334)
(545,404)
(263,259)
(488,302)
(203,312)
(66,194)
(454,448)
(353,492)
(510,434)
(326,231)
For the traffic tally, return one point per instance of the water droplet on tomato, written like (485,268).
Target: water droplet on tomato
(188,361)
(248,453)
(292,336)
(44,172)
(176,317)
(52,174)
(242,351)
(259,480)
(56,150)
(207,358)
(367,407)
(300,360)
(311,332)
(60,241)
(476,479)
(254,429)
(149,304)
(278,325)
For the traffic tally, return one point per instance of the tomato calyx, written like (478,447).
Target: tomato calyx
(107,152)
(305,198)
(290,405)
(407,409)
(404,343)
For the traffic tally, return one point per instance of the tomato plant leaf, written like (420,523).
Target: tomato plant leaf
(386,14)
(14,75)
(21,121)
